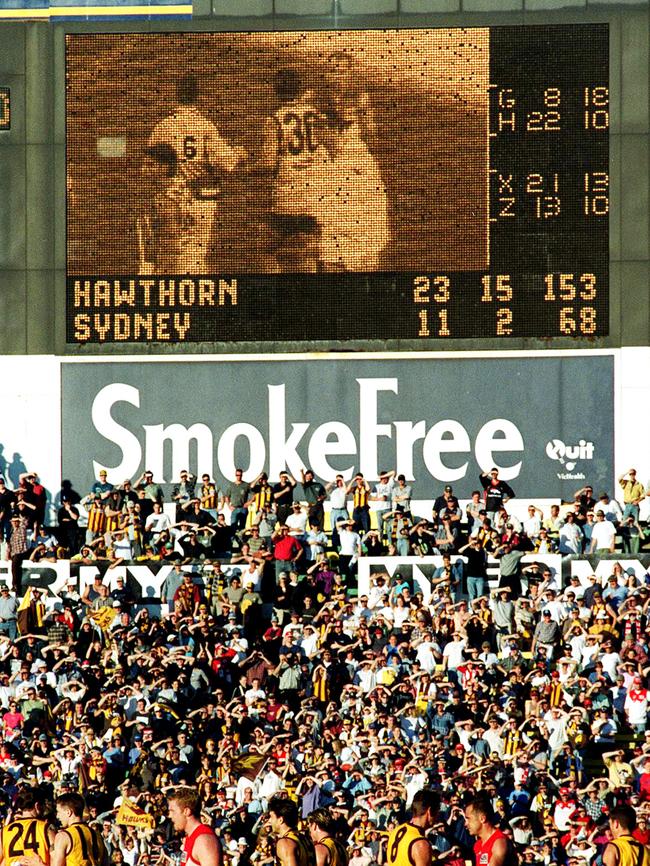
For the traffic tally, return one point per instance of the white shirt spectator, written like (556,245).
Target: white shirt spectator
(297,523)
(251,696)
(157,523)
(532,525)
(610,663)
(414,783)
(603,535)
(454,653)
(309,643)
(636,705)
(426,657)
(613,511)
(338,496)
(377,595)
(367,679)
(350,542)
(571,538)
(589,650)
(270,785)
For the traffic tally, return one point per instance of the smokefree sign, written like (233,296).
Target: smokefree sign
(435,421)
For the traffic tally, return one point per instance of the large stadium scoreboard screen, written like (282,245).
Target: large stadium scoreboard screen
(333,186)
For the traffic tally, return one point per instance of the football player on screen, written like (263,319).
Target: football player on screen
(296,151)
(202,156)
(356,228)
(168,218)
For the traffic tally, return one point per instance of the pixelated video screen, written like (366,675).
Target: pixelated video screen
(224,181)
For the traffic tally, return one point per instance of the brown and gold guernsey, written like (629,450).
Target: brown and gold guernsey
(87,846)
(25,837)
(338,855)
(400,842)
(208,496)
(360,497)
(97,519)
(631,852)
(305,854)
(263,497)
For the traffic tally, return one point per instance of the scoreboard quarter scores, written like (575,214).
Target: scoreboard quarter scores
(333,186)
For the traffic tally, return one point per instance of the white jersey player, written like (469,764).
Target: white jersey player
(202,154)
(168,219)
(296,151)
(357,227)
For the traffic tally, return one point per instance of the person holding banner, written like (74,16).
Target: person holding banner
(200,846)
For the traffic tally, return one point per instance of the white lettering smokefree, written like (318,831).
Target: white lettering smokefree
(497,436)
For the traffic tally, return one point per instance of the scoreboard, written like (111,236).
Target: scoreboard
(336,186)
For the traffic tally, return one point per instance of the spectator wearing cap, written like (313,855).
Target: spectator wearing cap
(496,492)
(633,494)
(183,492)
(123,593)
(615,591)
(546,634)
(101,489)
(297,522)
(151,490)
(287,550)
(8,612)
(612,510)
(18,550)
(636,705)
(603,536)
(440,503)
(314,494)
(68,519)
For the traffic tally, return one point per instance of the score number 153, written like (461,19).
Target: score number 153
(575,288)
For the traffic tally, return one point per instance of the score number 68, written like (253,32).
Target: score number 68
(569,287)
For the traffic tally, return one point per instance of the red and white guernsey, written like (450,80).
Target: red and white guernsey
(483,850)
(188,844)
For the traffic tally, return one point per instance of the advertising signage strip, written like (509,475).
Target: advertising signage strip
(436,420)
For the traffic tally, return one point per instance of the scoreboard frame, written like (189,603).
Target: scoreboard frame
(438,305)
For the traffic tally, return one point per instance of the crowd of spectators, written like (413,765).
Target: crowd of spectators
(281,676)
(295,522)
